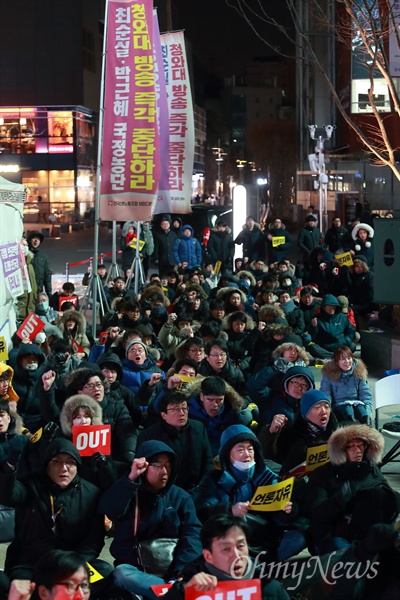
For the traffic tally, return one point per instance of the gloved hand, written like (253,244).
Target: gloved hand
(99,459)
(50,431)
(16,444)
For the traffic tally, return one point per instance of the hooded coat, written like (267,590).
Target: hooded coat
(79,333)
(187,249)
(251,240)
(170,513)
(15,429)
(240,343)
(76,524)
(361,247)
(134,375)
(309,237)
(24,383)
(334,330)
(347,387)
(230,373)
(280,402)
(347,498)
(229,413)
(98,470)
(11,394)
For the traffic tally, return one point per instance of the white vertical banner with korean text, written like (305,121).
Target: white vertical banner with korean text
(181,121)
(130,145)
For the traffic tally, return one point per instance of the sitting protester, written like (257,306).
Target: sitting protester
(344,381)
(148,509)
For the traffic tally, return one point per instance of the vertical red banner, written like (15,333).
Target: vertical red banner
(130,145)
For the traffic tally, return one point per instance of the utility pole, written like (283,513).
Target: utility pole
(317,164)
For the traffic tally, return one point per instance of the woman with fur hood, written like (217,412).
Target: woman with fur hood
(82,410)
(73,328)
(344,380)
(362,235)
(239,327)
(349,494)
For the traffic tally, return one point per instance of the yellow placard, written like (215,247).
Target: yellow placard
(344,259)
(272,497)
(3,349)
(141,244)
(36,436)
(277,240)
(185,381)
(316,457)
(94,575)
(217,267)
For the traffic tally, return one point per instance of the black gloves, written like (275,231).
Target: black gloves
(16,444)
(50,431)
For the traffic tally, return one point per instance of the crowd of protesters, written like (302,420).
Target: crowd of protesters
(203,378)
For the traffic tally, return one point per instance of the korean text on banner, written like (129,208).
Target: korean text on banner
(163,203)
(11,265)
(272,497)
(277,240)
(130,146)
(181,121)
(89,439)
(235,589)
(316,457)
(344,259)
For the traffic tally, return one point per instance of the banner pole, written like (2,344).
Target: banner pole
(98,174)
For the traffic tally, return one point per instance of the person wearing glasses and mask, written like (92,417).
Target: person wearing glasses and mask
(187,437)
(55,509)
(93,383)
(148,509)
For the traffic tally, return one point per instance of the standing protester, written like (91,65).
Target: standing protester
(335,235)
(220,246)
(309,237)
(186,250)
(250,237)
(40,262)
(277,253)
(163,244)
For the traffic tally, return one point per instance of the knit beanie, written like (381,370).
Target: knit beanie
(310,399)
(129,344)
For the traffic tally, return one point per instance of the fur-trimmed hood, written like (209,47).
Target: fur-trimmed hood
(151,290)
(231,396)
(76,316)
(272,228)
(287,346)
(356,229)
(250,324)
(264,270)
(223,292)
(243,274)
(11,393)
(268,310)
(195,287)
(75,402)
(333,372)
(344,435)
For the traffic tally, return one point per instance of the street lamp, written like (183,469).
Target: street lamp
(219,153)
(240,165)
(317,164)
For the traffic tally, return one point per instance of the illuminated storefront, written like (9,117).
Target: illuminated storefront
(51,151)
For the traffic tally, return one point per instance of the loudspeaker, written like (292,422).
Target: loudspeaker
(387,261)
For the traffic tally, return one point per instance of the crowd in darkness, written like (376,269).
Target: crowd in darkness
(203,376)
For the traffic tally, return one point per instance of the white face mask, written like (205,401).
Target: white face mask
(31,366)
(243,466)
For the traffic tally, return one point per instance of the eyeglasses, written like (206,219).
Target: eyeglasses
(160,466)
(70,464)
(72,587)
(300,385)
(222,355)
(178,409)
(91,386)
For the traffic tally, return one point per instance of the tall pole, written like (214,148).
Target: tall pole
(95,275)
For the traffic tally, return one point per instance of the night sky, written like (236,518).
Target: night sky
(220,36)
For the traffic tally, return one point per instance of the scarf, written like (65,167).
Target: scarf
(288,307)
